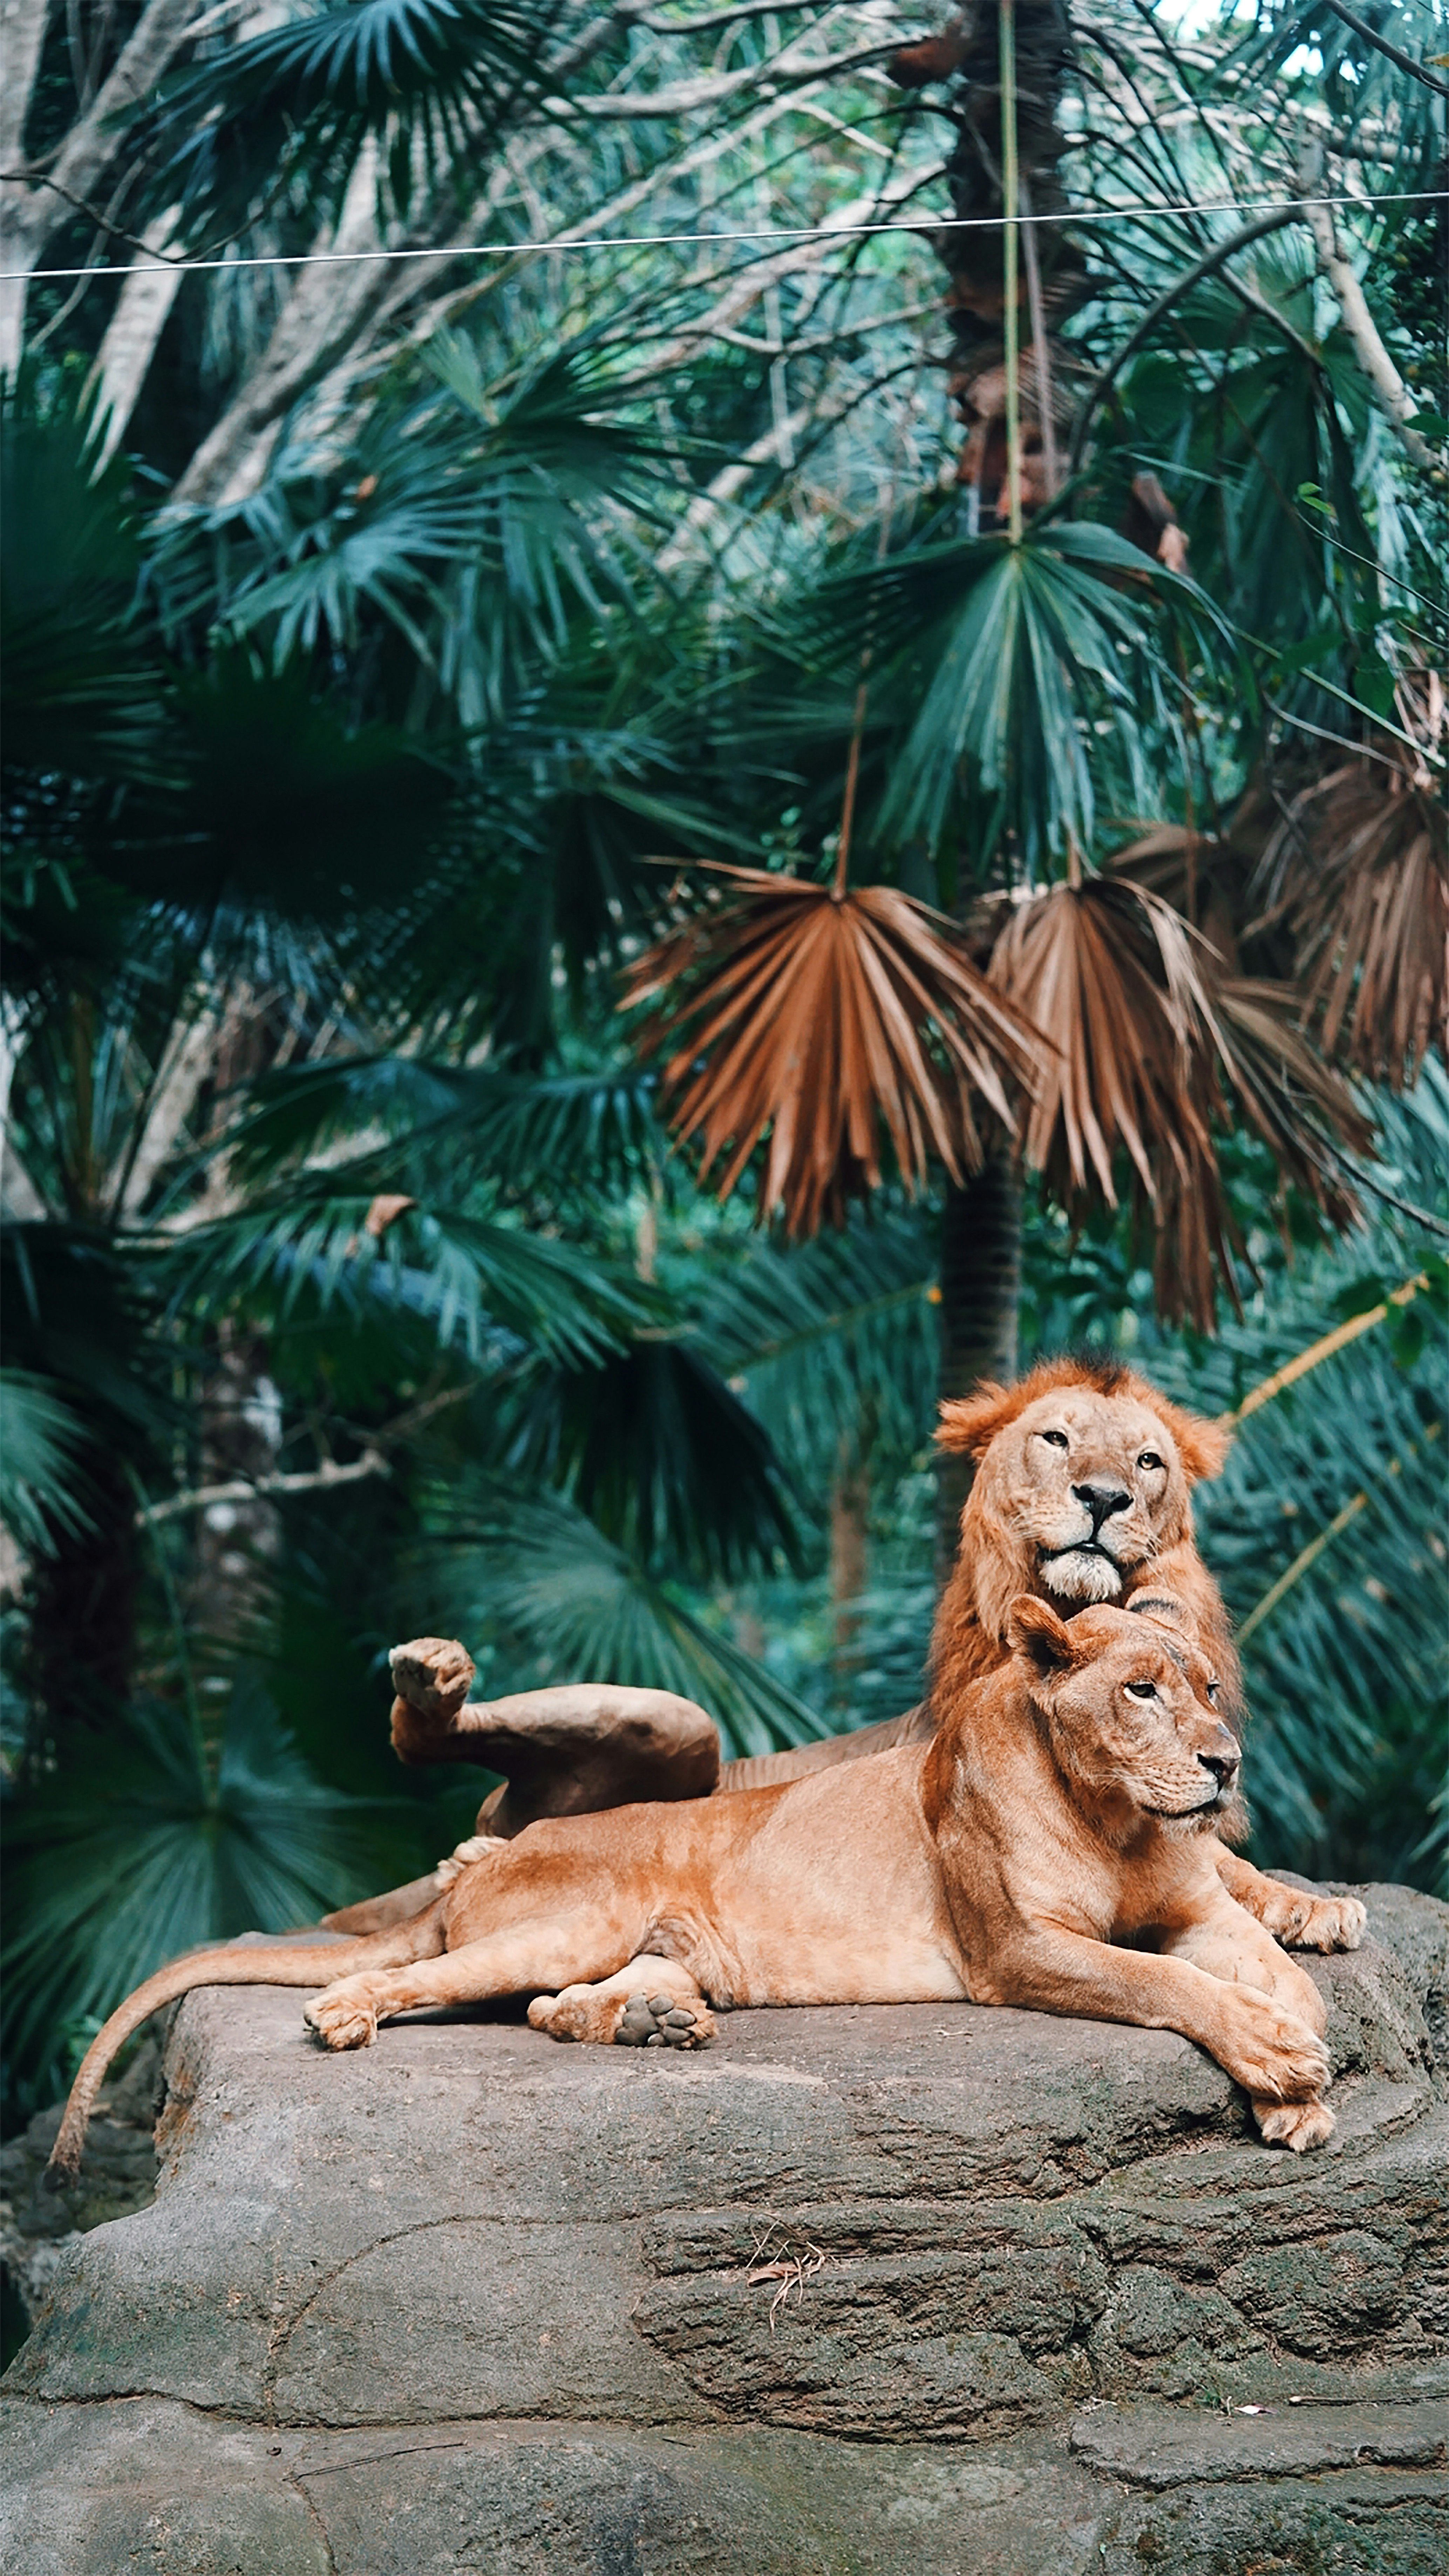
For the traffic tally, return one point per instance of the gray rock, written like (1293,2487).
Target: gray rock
(919,2289)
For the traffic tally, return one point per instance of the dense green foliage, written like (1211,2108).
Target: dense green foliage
(374,634)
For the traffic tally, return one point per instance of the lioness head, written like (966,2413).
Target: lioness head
(1128,1706)
(1084,1476)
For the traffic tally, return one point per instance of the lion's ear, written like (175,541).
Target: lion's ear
(971,1422)
(1202,1444)
(1034,1629)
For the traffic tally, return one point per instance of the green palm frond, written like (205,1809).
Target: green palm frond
(1042,643)
(42,1445)
(467,1275)
(1325,1530)
(431,76)
(662,1456)
(560,1131)
(561,1603)
(475,521)
(1325,1535)
(829,1334)
(155,1845)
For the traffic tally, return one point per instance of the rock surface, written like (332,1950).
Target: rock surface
(914,2292)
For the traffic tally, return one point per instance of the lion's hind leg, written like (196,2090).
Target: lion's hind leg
(650,2003)
(525,1959)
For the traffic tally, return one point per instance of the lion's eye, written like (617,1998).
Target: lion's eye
(1213,1690)
(1142,1690)
(1149,1459)
(1056,1439)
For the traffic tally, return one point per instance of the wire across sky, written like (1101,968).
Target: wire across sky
(160,265)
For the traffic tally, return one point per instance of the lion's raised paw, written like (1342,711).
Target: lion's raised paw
(432,1675)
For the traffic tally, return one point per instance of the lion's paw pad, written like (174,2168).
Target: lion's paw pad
(662,2021)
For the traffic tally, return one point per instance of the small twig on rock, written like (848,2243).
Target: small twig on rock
(791,2271)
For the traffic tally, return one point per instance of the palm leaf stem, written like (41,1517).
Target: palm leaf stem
(1306,1557)
(1309,1555)
(1010,190)
(1311,1358)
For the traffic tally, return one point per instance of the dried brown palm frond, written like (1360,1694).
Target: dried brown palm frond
(1150,1036)
(1202,875)
(823,1015)
(1360,864)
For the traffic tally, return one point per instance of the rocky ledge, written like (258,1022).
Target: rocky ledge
(893,2292)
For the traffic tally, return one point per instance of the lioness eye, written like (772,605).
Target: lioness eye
(1058,1439)
(1213,1689)
(1142,1690)
(1149,1459)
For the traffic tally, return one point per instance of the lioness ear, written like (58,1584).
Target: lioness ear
(1202,1444)
(1034,1629)
(971,1422)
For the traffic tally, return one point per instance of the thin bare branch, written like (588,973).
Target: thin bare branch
(1394,397)
(1406,63)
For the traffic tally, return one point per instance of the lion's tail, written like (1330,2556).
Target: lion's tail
(253,1965)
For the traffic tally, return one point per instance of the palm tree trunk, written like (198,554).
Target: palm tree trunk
(980,1287)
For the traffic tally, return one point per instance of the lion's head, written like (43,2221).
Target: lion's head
(1128,1705)
(1083,1477)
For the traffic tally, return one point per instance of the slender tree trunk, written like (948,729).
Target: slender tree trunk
(980,1286)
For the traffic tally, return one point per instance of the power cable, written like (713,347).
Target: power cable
(162,266)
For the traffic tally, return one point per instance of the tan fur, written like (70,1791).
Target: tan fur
(1020,1507)
(1057,1812)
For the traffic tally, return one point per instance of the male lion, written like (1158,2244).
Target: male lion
(1059,1809)
(1081,1494)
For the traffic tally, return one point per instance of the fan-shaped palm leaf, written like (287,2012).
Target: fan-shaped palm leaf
(1360,861)
(1147,1033)
(41,1483)
(822,1013)
(563,1600)
(155,1844)
(430,75)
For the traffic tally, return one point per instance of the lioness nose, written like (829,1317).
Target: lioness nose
(1222,1762)
(1102,1501)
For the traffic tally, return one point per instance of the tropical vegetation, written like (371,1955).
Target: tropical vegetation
(712,715)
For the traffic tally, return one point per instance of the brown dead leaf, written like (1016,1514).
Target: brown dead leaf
(1360,863)
(385,1211)
(1150,1036)
(813,1017)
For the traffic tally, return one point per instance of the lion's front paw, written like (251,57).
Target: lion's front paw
(1298,2125)
(341,2020)
(1269,2051)
(1303,1921)
(1330,1923)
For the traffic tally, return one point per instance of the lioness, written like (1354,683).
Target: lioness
(1060,1808)
(1082,1494)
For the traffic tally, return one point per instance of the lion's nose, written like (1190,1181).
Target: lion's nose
(1102,1501)
(1223,1761)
